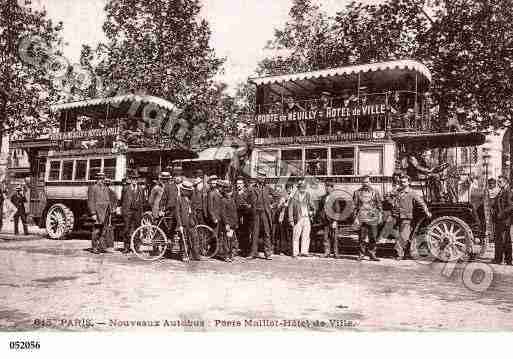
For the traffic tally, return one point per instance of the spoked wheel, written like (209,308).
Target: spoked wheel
(149,242)
(449,239)
(59,221)
(147,218)
(207,240)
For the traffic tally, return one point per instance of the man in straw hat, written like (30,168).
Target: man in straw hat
(100,204)
(186,221)
(260,199)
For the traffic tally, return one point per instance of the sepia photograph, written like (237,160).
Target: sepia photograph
(270,166)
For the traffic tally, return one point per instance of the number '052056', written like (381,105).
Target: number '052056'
(24,345)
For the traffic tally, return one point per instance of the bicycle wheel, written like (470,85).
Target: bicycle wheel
(208,242)
(149,242)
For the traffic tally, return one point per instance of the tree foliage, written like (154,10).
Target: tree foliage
(467,45)
(26,86)
(158,47)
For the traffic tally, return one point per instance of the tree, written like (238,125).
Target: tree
(29,44)
(157,47)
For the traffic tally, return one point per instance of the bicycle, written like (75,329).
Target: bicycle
(149,241)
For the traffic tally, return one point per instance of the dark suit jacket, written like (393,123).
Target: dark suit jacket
(132,200)
(229,213)
(242,200)
(215,205)
(184,214)
(170,196)
(267,199)
(99,199)
(19,202)
(295,206)
(503,206)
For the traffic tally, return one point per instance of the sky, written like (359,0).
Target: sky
(240,28)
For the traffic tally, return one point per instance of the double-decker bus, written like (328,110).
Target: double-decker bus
(113,135)
(338,125)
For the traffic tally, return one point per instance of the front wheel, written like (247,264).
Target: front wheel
(207,240)
(149,242)
(449,239)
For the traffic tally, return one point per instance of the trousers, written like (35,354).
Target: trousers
(261,221)
(23,217)
(132,220)
(301,231)
(503,243)
(330,240)
(370,231)
(404,236)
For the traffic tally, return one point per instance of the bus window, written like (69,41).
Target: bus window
(95,166)
(292,162)
(316,161)
(370,161)
(41,169)
(342,161)
(67,170)
(81,170)
(55,169)
(268,162)
(109,168)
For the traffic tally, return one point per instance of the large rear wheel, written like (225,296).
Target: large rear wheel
(449,239)
(149,242)
(59,221)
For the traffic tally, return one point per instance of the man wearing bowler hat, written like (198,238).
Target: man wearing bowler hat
(100,205)
(132,202)
(260,199)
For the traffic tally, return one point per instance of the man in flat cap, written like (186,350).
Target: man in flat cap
(100,204)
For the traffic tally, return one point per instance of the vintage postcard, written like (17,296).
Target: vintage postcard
(238,166)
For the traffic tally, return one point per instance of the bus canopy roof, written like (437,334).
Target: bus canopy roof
(379,74)
(113,107)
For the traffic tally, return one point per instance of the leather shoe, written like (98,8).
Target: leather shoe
(374,259)
(359,258)
(268,258)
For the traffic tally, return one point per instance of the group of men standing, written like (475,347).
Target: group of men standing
(243,216)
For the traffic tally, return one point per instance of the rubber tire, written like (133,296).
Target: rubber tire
(204,228)
(69,219)
(162,251)
(469,235)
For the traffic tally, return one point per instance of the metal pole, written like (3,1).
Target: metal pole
(415,106)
